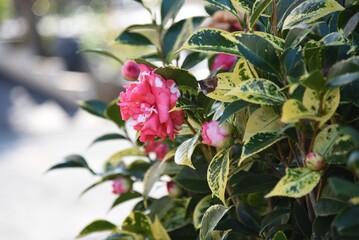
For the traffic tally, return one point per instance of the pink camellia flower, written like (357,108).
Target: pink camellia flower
(223,62)
(173,189)
(130,70)
(314,161)
(148,103)
(121,185)
(159,148)
(215,135)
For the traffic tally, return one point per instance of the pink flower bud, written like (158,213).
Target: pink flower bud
(121,185)
(223,62)
(130,71)
(159,148)
(215,135)
(174,191)
(314,161)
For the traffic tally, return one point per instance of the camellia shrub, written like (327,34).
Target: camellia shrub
(265,147)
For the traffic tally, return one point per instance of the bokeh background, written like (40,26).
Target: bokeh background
(42,78)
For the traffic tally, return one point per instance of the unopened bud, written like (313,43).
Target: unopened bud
(314,161)
(121,185)
(174,191)
(130,71)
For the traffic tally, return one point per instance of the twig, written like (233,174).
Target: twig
(274,17)
(281,155)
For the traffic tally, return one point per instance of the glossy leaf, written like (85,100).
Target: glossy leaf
(193,180)
(258,51)
(225,83)
(212,41)
(217,175)
(210,220)
(275,218)
(294,111)
(296,183)
(279,236)
(108,137)
(193,59)
(73,161)
(258,91)
(103,52)
(112,113)
(95,107)
(243,71)
(344,72)
(159,232)
(249,217)
(258,183)
(310,11)
(259,7)
(258,142)
(133,38)
(125,197)
(232,109)
(115,160)
(181,76)
(201,208)
(343,187)
(296,36)
(185,150)
(263,119)
(243,4)
(224,5)
(334,144)
(276,42)
(176,217)
(138,222)
(169,9)
(347,222)
(97,226)
(152,176)
(329,206)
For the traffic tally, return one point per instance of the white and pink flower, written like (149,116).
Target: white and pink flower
(216,135)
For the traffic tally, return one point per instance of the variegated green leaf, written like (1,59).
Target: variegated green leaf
(296,183)
(243,71)
(176,217)
(258,51)
(210,220)
(258,142)
(159,232)
(217,175)
(310,11)
(138,222)
(225,83)
(293,111)
(277,42)
(263,119)
(211,41)
(258,8)
(116,158)
(224,4)
(201,208)
(184,151)
(334,144)
(241,5)
(151,176)
(330,102)
(258,91)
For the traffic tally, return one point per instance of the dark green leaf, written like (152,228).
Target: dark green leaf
(169,9)
(249,217)
(347,19)
(108,137)
(294,66)
(302,220)
(258,52)
(275,218)
(97,226)
(258,183)
(102,52)
(343,187)
(73,161)
(210,219)
(132,38)
(315,81)
(192,181)
(125,197)
(112,113)
(347,222)
(329,206)
(95,107)
(296,36)
(181,76)
(224,5)
(233,108)
(193,59)
(258,10)
(138,168)
(321,225)
(145,62)
(279,236)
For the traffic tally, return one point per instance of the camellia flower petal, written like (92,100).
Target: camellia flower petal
(159,148)
(148,103)
(223,62)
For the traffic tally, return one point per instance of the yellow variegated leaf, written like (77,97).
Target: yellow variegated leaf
(217,175)
(258,142)
(330,103)
(277,42)
(225,83)
(184,151)
(243,71)
(201,208)
(309,11)
(263,119)
(294,111)
(210,220)
(242,5)
(296,183)
(211,41)
(354,200)
(258,91)
(158,231)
